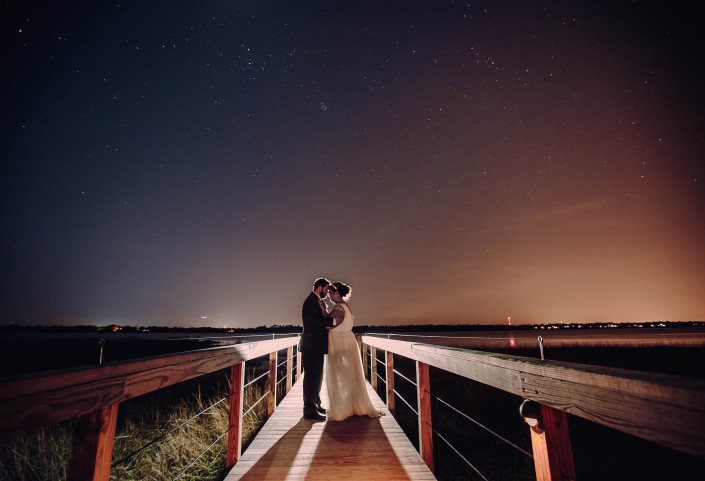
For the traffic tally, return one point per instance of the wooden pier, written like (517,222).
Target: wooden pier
(290,447)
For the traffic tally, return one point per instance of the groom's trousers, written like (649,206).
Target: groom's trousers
(313,378)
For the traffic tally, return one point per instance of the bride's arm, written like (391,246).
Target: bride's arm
(338,314)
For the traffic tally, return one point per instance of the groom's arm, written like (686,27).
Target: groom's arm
(338,315)
(313,314)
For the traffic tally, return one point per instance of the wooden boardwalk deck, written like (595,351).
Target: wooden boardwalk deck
(291,447)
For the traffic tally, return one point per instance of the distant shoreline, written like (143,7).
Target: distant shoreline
(293,328)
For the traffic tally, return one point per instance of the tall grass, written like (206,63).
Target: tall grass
(43,455)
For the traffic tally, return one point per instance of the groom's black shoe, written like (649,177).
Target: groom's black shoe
(321,410)
(314,415)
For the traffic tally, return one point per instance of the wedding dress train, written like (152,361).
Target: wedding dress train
(347,391)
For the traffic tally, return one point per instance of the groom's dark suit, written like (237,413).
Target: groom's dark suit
(314,345)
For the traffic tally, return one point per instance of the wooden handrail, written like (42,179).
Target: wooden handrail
(667,410)
(46,398)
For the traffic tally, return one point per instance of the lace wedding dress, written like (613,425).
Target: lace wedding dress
(345,380)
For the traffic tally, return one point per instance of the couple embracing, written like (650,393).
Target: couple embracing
(330,332)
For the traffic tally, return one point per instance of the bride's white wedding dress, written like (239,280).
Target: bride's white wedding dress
(347,391)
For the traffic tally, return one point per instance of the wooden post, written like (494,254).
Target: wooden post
(289,366)
(298,364)
(390,382)
(365,360)
(272,393)
(373,367)
(553,453)
(92,451)
(424,408)
(237,394)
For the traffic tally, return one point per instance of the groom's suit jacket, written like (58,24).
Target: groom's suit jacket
(314,338)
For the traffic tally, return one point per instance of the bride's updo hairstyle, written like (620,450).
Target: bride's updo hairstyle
(344,290)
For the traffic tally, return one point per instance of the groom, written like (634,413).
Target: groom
(314,345)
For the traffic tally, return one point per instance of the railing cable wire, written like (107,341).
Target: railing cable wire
(404,401)
(257,378)
(158,438)
(255,404)
(461,456)
(404,377)
(526,453)
(188,466)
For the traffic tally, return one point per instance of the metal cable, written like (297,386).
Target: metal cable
(461,456)
(404,400)
(382,363)
(281,364)
(484,427)
(257,378)
(383,379)
(280,381)
(403,376)
(255,404)
(154,441)
(188,466)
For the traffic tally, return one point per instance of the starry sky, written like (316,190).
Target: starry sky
(201,163)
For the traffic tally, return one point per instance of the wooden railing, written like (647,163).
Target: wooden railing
(91,396)
(667,410)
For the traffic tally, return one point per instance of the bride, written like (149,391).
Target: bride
(345,380)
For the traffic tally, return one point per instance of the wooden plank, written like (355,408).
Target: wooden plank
(289,367)
(391,399)
(551,445)
(43,399)
(668,410)
(237,390)
(298,364)
(293,448)
(92,450)
(425,421)
(272,389)
(373,367)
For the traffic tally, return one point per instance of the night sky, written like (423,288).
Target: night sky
(201,163)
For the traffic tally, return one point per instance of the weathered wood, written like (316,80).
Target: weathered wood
(289,367)
(92,450)
(373,367)
(553,453)
(237,391)
(359,448)
(391,400)
(298,364)
(40,400)
(272,389)
(667,410)
(423,382)
(365,359)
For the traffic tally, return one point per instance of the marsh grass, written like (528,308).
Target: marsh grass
(43,455)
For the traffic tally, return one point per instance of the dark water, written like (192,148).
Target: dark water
(25,353)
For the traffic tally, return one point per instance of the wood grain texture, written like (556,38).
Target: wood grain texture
(359,448)
(92,450)
(272,384)
(423,386)
(289,367)
(43,399)
(552,449)
(237,383)
(668,410)
(391,400)
(373,367)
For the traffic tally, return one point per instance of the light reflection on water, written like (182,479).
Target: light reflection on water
(610,337)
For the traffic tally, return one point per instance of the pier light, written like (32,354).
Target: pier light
(531,412)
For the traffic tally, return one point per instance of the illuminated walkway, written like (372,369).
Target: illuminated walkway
(293,448)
